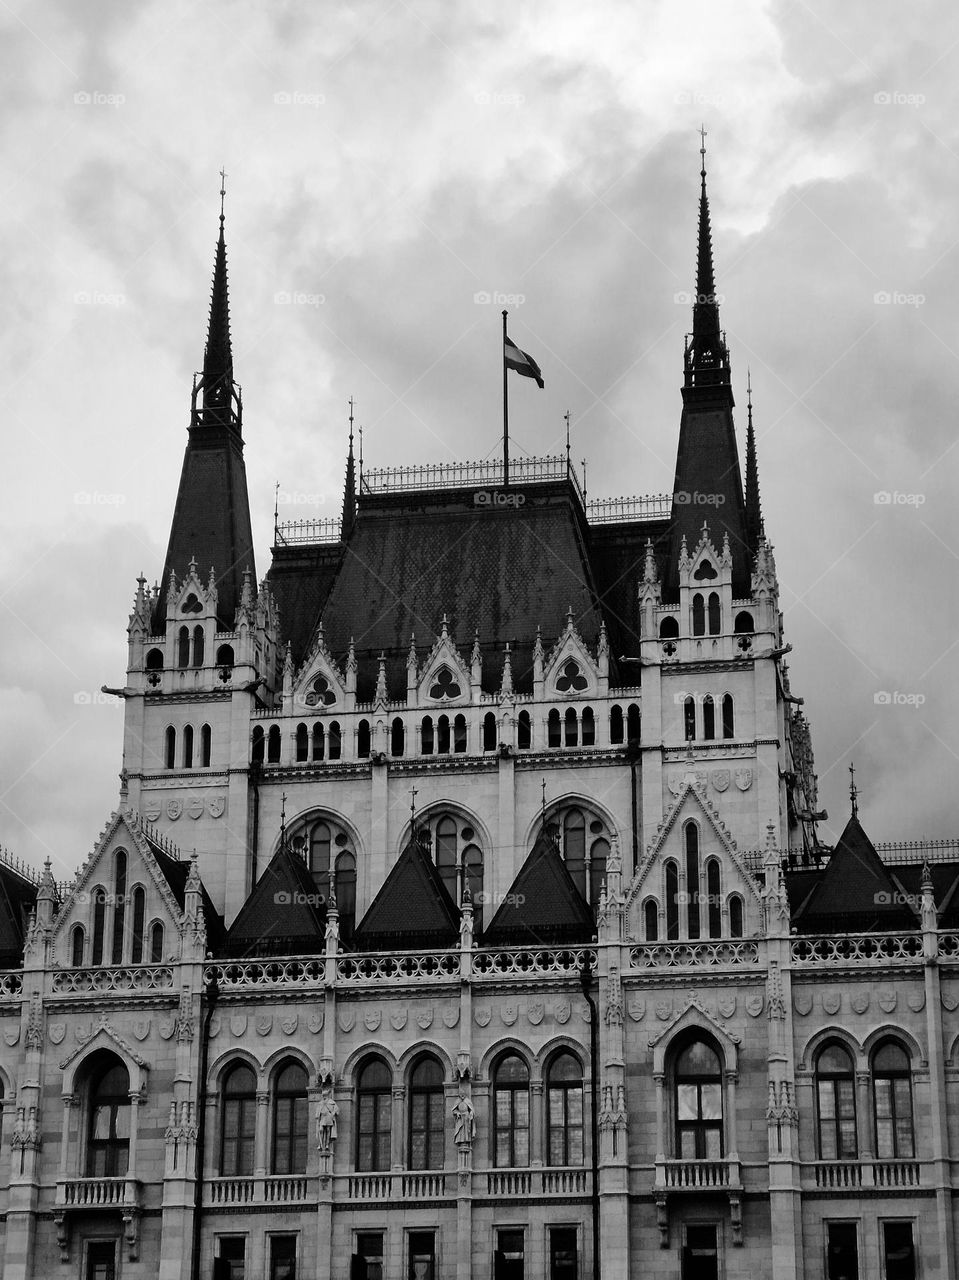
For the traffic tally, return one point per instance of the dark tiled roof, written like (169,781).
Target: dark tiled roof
(855,891)
(300,579)
(412,909)
(282,915)
(543,904)
(17,898)
(175,872)
(618,556)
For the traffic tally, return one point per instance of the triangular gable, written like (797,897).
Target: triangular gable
(412,908)
(543,904)
(857,890)
(694,1015)
(699,805)
(319,685)
(445,678)
(283,915)
(192,601)
(124,828)
(571,671)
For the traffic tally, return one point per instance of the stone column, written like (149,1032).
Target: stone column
(260,1140)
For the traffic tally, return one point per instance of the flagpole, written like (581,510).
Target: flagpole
(505,412)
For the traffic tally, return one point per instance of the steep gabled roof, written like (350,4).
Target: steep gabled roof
(856,891)
(543,904)
(412,909)
(17,898)
(283,914)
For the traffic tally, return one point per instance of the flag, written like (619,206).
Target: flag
(521,362)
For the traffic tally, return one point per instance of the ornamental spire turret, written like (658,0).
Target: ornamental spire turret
(221,402)
(707,360)
(349,490)
(754,515)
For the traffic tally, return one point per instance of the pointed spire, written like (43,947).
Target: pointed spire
(853,791)
(707,361)
(506,687)
(218,356)
(349,491)
(380,696)
(754,515)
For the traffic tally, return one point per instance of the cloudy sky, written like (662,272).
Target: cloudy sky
(388,162)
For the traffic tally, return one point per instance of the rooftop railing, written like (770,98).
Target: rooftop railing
(652,506)
(468,475)
(308,532)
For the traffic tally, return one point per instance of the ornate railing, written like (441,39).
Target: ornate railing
(11,984)
(97,1193)
(509,1182)
(398,968)
(948,946)
(422,1186)
(864,948)
(894,851)
(297,532)
(233,1190)
(733,953)
(896,1173)
(273,1189)
(255,975)
(96,980)
(692,1175)
(532,962)
(565,1182)
(371,1186)
(468,475)
(653,506)
(838,1175)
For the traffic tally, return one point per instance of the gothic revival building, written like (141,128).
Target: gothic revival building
(509,949)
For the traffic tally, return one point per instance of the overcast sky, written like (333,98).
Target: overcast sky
(389,161)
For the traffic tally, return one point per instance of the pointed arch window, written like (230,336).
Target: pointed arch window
(589,727)
(318,741)
(119,904)
(570,728)
(345,885)
(564,1111)
(426,736)
(489,732)
(397,737)
(651,920)
(444,853)
(892,1102)
(238,1129)
(836,1104)
(616,727)
(633,729)
(206,746)
(574,847)
(198,646)
(699,615)
(77,940)
(554,729)
(728,724)
(714,912)
(598,858)
(426,1116)
(709,717)
(183,647)
(302,743)
(374,1116)
(459,734)
(335,740)
(473,879)
(363,739)
(108,1132)
(290,1120)
(259,744)
(735,916)
(443,736)
(188,746)
(671,877)
(691,840)
(715,614)
(321,844)
(154,660)
(273,744)
(699,1103)
(99,923)
(524,731)
(511,1113)
(689,719)
(156,943)
(169,747)
(669,628)
(139,913)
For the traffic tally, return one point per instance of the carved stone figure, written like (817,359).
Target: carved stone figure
(327,1120)
(464,1119)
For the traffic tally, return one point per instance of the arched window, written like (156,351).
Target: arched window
(108,1131)
(744,623)
(119,904)
(728,726)
(699,1103)
(99,923)
(459,734)
(616,727)
(156,943)
(709,717)
(259,743)
(524,731)
(511,1113)
(589,727)
(699,615)
(183,647)
(427,1118)
(238,1129)
(154,660)
(302,743)
(714,899)
(671,873)
(321,844)
(632,723)
(345,885)
(570,728)
(689,719)
(206,746)
(892,1102)
(363,739)
(490,733)
(598,857)
(374,1117)
(651,920)
(139,914)
(715,614)
(273,743)
(169,748)
(290,1120)
(198,646)
(443,736)
(553,729)
(334,740)
(426,736)
(188,746)
(691,840)
(318,741)
(444,853)
(564,1111)
(735,916)
(397,737)
(836,1104)
(669,629)
(473,879)
(77,940)
(224,656)
(574,847)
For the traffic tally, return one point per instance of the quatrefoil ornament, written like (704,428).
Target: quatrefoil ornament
(320,693)
(191,604)
(444,686)
(571,677)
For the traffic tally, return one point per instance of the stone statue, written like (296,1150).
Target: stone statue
(465,1120)
(327,1120)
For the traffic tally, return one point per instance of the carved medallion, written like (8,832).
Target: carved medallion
(702,778)
(636,1009)
(482,1017)
(289,1023)
(141,1028)
(11,1035)
(217,806)
(802,1002)
(152,809)
(451,1016)
(168,1028)
(916,1001)
(398,1019)
(263,1023)
(859,1001)
(372,1019)
(215,1026)
(238,1022)
(675,783)
(726,1006)
(744,779)
(720,779)
(56,1031)
(195,807)
(664,1009)
(831,1000)
(424,1018)
(562,1012)
(315,1021)
(949,1001)
(346,1019)
(174,808)
(886,1001)
(536,1013)
(754,1004)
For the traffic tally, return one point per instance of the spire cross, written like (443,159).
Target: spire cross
(283,819)
(702,150)
(566,417)
(413,795)
(544,799)
(853,792)
(223,176)
(351,419)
